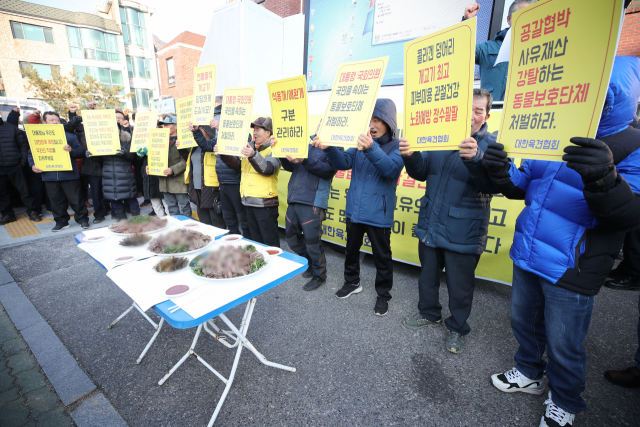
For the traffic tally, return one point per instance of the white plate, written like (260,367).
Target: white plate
(95,239)
(239,244)
(182,253)
(273,248)
(142,232)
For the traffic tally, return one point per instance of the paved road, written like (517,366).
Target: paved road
(353,368)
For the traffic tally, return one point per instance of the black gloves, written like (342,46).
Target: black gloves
(495,159)
(593,160)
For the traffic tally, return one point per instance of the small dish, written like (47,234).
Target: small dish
(191,224)
(176,290)
(273,251)
(94,239)
(232,238)
(123,259)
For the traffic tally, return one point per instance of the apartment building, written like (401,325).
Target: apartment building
(176,61)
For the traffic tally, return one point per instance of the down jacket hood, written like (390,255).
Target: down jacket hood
(13,118)
(385,110)
(622,96)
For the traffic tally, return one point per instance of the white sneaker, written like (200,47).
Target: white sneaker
(555,416)
(512,381)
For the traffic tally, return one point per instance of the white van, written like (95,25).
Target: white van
(27,106)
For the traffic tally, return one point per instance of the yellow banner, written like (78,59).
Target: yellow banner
(559,70)
(353,98)
(235,120)
(184,109)
(289,112)
(158,151)
(46,142)
(101,132)
(438,87)
(144,123)
(204,94)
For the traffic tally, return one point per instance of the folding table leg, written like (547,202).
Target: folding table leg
(153,338)
(121,316)
(137,307)
(228,386)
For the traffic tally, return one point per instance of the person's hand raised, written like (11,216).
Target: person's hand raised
(365,141)
(316,143)
(193,127)
(468,149)
(247,151)
(471,10)
(404,148)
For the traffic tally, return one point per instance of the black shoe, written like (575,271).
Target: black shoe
(627,284)
(98,220)
(60,227)
(153,213)
(127,209)
(34,217)
(617,274)
(313,284)
(145,203)
(308,273)
(84,225)
(119,214)
(630,377)
(349,289)
(7,219)
(382,307)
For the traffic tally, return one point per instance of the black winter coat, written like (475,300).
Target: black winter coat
(13,146)
(91,166)
(204,198)
(150,183)
(226,175)
(118,179)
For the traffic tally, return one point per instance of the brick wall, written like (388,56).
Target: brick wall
(184,61)
(629,43)
(283,8)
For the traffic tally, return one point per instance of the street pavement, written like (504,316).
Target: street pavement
(353,368)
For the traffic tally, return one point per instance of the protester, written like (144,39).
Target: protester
(71,127)
(452,224)
(91,105)
(234,212)
(376,166)
(493,77)
(629,377)
(259,183)
(565,243)
(307,203)
(626,276)
(64,187)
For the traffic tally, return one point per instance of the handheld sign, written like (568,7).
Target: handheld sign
(353,98)
(158,151)
(204,94)
(101,132)
(144,123)
(184,108)
(46,142)
(289,113)
(235,120)
(438,87)
(553,93)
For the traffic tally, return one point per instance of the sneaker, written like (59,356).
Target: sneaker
(308,273)
(7,219)
(555,416)
(455,343)
(417,322)
(98,220)
(34,217)
(382,307)
(152,213)
(512,381)
(617,274)
(84,225)
(628,283)
(60,227)
(313,284)
(348,289)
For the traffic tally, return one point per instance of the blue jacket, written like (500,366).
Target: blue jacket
(493,79)
(569,233)
(310,180)
(77,152)
(375,171)
(226,175)
(454,212)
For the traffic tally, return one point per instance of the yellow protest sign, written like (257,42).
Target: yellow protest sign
(184,109)
(289,113)
(144,123)
(101,132)
(438,87)
(158,151)
(353,98)
(204,94)
(46,142)
(553,93)
(235,120)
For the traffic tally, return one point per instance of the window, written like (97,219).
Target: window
(171,72)
(31,32)
(138,67)
(103,75)
(86,43)
(47,72)
(143,98)
(134,29)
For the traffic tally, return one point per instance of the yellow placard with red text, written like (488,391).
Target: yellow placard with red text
(101,132)
(184,111)
(353,98)
(559,69)
(46,142)
(204,94)
(289,113)
(158,153)
(438,87)
(235,120)
(144,123)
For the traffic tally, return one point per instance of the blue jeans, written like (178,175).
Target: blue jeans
(547,316)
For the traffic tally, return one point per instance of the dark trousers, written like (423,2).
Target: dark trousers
(263,225)
(304,232)
(460,273)
(95,182)
(84,187)
(65,193)
(380,239)
(233,211)
(119,205)
(36,189)
(15,175)
(631,252)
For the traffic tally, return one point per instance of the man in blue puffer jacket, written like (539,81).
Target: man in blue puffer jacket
(376,166)
(566,241)
(452,224)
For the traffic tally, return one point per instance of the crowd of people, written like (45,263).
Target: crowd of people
(577,215)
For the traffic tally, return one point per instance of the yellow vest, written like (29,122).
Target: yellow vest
(253,184)
(209,172)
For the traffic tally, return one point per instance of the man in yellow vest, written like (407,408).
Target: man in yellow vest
(259,183)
